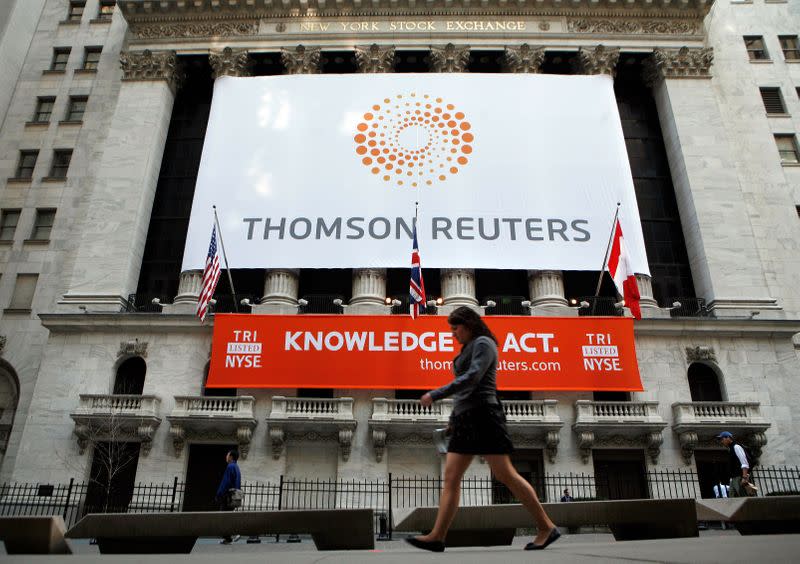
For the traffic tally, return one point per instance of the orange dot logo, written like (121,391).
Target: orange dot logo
(419,145)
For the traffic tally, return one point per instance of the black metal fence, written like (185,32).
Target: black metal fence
(383,495)
(599,305)
(144,303)
(507,305)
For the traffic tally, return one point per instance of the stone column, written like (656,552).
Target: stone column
(600,60)
(704,175)
(224,62)
(119,202)
(449,58)
(524,59)
(375,59)
(546,289)
(281,286)
(644,282)
(302,60)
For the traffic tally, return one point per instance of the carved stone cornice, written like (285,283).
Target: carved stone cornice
(230,62)
(620,26)
(302,60)
(686,62)
(524,59)
(132,348)
(151,65)
(600,60)
(165,30)
(375,59)
(700,353)
(449,58)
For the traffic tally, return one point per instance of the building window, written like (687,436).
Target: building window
(23,291)
(106,10)
(76,108)
(8,224)
(91,58)
(755,48)
(27,160)
(43,224)
(44,109)
(773,101)
(60,58)
(61,158)
(791,52)
(75,11)
(787,147)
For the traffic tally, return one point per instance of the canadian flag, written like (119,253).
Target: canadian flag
(619,267)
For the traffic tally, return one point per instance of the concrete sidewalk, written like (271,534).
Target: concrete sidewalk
(715,547)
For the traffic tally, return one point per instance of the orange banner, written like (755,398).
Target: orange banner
(392,352)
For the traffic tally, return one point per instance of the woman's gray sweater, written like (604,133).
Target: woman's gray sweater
(475,383)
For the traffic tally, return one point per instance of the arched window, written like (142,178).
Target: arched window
(130,376)
(704,384)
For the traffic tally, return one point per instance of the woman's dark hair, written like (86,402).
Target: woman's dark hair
(470,319)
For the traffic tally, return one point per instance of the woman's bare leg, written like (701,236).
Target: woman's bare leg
(504,471)
(454,468)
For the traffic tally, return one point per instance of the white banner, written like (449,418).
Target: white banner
(511,171)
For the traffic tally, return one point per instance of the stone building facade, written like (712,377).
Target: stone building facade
(96,96)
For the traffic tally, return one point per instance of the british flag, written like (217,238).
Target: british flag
(417,286)
(210,276)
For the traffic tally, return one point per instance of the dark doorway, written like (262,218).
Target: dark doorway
(530,464)
(620,474)
(712,469)
(704,383)
(112,477)
(130,376)
(203,476)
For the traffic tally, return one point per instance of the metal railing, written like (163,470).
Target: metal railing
(600,305)
(690,307)
(143,303)
(403,308)
(321,303)
(506,305)
(226,303)
(74,500)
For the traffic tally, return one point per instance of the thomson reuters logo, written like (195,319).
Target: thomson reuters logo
(412,140)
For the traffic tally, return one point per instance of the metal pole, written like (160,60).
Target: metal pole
(225,256)
(66,502)
(605,258)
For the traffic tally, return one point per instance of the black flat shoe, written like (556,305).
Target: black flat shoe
(433,546)
(551,538)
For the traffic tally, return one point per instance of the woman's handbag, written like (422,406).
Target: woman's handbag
(235,498)
(441,439)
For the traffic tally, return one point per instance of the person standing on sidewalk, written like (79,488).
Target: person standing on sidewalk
(231,480)
(738,465)
(478,426)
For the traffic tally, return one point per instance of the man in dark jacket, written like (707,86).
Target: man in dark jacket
(231,479)
(738,465)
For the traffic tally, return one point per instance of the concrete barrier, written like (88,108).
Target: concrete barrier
(495,524)
(34,535)
(149,533)
(754,515)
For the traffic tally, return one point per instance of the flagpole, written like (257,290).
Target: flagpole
(225,256)
(605,258)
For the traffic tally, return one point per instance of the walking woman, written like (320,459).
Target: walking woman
(478,426)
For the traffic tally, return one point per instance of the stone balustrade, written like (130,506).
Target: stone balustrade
(117,417)
(618,423)
(402,410)
(311,419)
(698,423)
(212,417)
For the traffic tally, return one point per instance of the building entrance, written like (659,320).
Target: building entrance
(530,465)
(112,477)
(712,469)
(620,474)
(203,475)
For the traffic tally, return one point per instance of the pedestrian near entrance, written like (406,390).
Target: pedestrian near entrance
(738,466)
(566,497)
(478,426)
(231,482)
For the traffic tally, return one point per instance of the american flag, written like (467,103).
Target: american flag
(210,276)
(417,286)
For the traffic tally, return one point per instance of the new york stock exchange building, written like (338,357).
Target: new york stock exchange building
(510,136)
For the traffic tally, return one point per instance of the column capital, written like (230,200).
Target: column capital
(302,60)
(686,62)
(375,59)
(600,60)
(230,62)
(151,65)
(449,58)
(524,59)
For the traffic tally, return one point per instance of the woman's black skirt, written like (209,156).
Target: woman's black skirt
(480,430)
